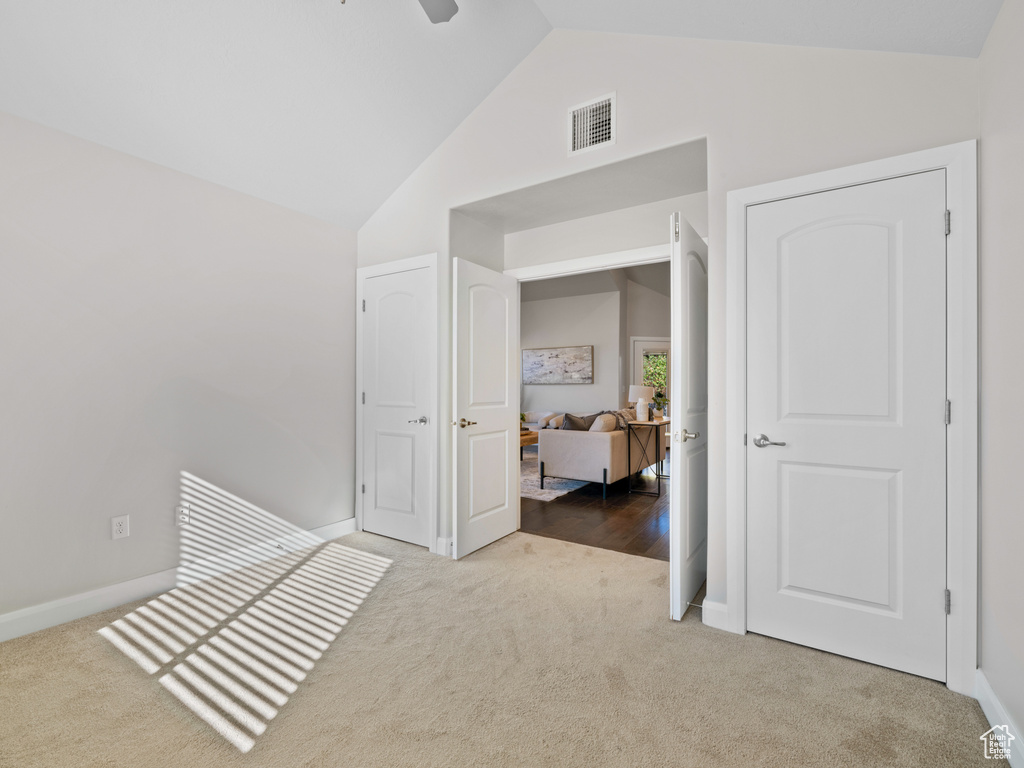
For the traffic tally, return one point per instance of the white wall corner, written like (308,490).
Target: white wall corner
(443,546)
(65,609)
(996,714)
(716,615)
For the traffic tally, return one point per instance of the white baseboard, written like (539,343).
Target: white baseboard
(996,714)
(45,615)
(443,547)
(715,614)
(335,530)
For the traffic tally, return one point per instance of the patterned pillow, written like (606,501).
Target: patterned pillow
(621,417)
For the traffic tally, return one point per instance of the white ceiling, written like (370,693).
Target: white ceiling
(321,107)
(941,27)
(326,108)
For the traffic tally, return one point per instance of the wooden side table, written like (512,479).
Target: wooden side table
(632,427)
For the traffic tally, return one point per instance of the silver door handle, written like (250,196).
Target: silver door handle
(420,420)
(690,435)
(762,441)
(463,423)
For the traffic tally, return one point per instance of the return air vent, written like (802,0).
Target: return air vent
(592,125)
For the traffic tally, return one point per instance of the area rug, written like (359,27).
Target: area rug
(529,480)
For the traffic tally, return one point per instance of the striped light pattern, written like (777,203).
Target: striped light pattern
(258,603)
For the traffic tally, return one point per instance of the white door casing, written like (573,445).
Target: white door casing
(726,603)
(397,400)
(688,484)
(485,388)
(846,366)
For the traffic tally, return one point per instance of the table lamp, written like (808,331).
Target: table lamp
(641,396)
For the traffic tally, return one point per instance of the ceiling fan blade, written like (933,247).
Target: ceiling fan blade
(439,10)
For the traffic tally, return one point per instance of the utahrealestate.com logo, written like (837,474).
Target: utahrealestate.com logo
(997,742)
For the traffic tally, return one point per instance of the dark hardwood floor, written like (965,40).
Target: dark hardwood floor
(625,522)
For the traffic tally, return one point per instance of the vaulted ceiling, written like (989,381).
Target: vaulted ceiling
(326,108)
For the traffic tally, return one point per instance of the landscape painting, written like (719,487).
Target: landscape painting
(558,365)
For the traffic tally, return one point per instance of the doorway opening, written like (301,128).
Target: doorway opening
(612,310)
(569,226)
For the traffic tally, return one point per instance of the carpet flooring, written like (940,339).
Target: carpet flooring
(530,652)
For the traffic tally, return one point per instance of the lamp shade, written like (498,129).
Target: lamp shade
(638,392)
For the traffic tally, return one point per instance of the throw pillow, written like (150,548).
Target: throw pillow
(545,418)
(621,417)
(579,423)
(605,422)
(556,422)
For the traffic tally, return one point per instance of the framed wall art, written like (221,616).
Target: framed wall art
(559,365)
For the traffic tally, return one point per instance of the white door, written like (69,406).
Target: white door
(399,403)
(688,406)
(846,334)
(485,406)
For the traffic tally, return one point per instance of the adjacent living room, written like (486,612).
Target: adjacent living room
(620,322)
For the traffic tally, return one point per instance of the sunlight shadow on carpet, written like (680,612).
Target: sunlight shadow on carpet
(259,601)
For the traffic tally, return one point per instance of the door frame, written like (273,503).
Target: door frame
(960,163)
(616,260)
(431,262)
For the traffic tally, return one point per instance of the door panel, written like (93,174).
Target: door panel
(486,400)
(399,374)
(688,484)
(846,365)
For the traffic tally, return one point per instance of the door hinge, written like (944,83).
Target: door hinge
(948,230)
(949,601)
(949,412)
(677,229)
(364,398)
(364,487)
(364,303)
(744,438)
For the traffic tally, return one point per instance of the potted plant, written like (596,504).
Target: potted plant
(659,402)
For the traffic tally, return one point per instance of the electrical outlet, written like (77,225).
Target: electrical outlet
(183,514)
(119,527)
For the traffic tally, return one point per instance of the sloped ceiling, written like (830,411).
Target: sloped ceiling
(321,107)
(940,27)
(326,108)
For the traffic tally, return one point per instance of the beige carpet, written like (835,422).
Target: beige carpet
(531,652)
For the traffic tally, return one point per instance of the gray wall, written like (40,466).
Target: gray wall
(154,323)
(601,308)
(1002,364)
(649,312)
(569,322)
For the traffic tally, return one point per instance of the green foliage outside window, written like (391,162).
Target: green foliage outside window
(656,373)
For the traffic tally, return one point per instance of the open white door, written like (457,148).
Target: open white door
(688,518)
(485,406)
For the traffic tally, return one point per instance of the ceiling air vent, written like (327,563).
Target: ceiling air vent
(592,125)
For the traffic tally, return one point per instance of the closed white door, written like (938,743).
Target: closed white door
(399,404)
(485,406)
(846,360)
(688,546)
